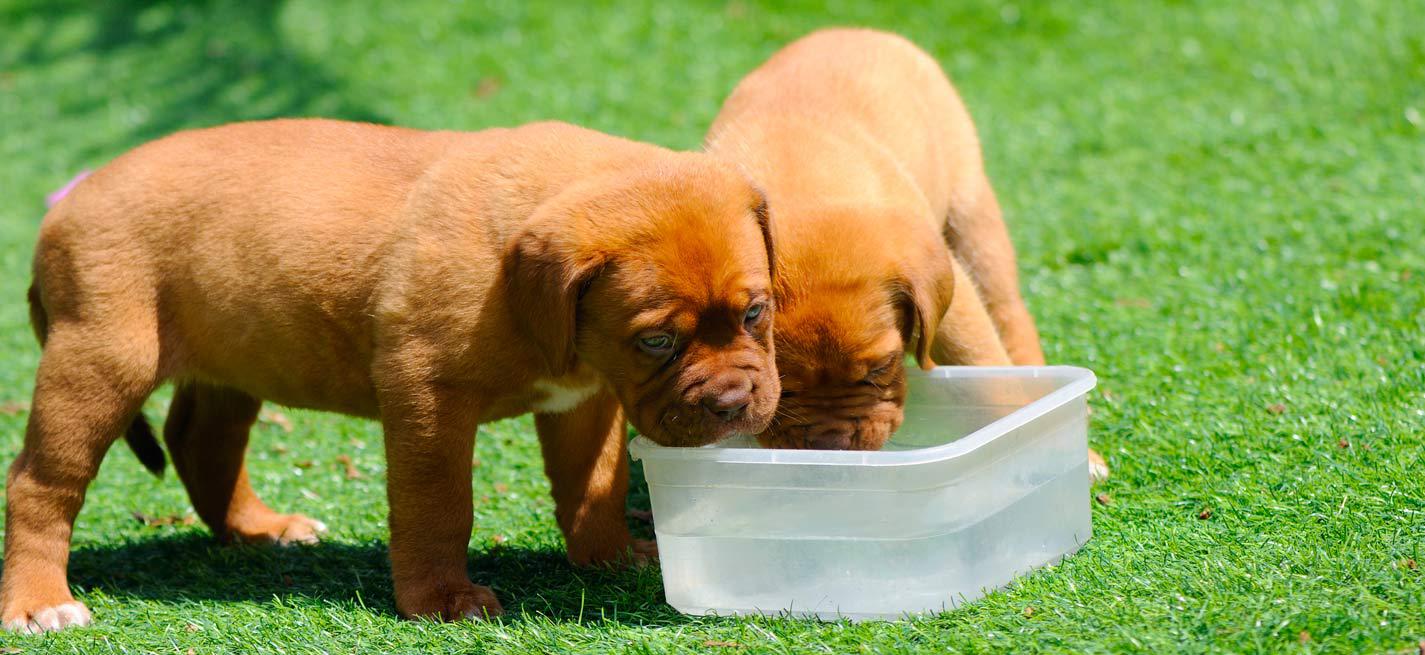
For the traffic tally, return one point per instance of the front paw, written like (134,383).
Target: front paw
(279,529)
(33,617)
(620,554)
(644,552)
(448,601)
(1098,467)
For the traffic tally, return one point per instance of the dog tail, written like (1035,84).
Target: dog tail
(139,436)
(141,440)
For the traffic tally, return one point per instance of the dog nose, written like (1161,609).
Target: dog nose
(728,403)
(832,437)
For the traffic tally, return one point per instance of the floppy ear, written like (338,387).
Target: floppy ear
(923,294)
(544,277)
(764,221)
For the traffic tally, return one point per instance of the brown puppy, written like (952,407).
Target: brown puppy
(889,235)
(433,280)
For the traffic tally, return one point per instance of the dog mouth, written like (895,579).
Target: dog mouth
(809,437)
(851,428)
(684,425)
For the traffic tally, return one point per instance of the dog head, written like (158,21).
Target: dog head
(855,294)
(661,282)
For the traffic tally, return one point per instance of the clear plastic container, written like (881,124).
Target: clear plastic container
(986,479)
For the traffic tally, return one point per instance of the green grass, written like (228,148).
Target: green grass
(1219,206)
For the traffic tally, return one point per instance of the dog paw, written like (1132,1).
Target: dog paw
(456,602)
(45,618)
(1098,468)
(643,552)
(279,529)
(634,553)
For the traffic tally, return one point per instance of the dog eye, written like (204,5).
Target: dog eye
(656,344)
(877,373)
(753,313)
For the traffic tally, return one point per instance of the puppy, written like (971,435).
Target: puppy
(432,280)
(889,235)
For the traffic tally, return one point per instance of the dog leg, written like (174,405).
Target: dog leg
(967,335)
(206,433)
(430,438)
(586,459)
(87,390)
(978,237)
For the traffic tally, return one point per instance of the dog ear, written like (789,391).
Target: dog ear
(545,275)
(923,294)
(764,222)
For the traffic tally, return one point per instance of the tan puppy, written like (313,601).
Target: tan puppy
(889,235)
(433,280)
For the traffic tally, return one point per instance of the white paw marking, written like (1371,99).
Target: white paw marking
(1098,471)
(1098,467)
(315,529)
(73,614)
(559,398)
(51,619)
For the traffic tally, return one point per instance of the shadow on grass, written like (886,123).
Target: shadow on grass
(170,64)
(191,566)
(186,64)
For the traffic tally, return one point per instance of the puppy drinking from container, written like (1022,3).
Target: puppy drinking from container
(431,280)
(890,239)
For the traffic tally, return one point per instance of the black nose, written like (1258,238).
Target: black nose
(728,405)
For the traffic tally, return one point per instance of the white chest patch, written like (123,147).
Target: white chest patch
(559,398)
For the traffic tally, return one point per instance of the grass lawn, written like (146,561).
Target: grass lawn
(1219,208)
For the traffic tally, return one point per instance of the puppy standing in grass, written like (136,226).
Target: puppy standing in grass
(433,280)
(889,235)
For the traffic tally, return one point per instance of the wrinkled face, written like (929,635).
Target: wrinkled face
(682,332)
(841,356)
(661,282)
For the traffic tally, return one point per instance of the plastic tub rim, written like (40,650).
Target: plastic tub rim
(1081,381)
